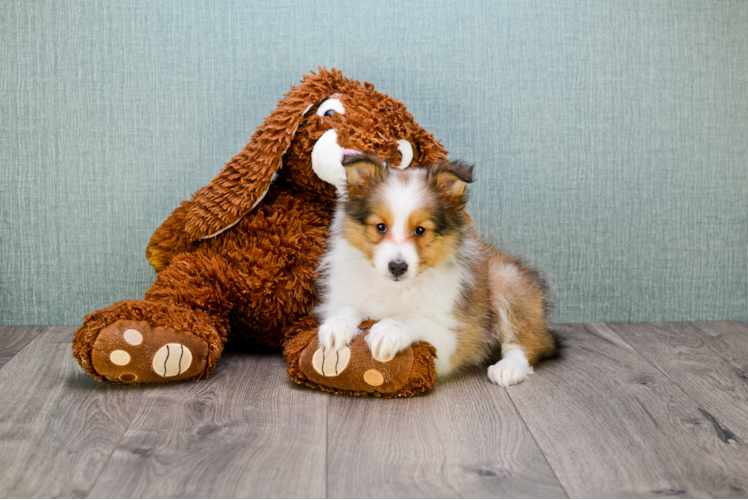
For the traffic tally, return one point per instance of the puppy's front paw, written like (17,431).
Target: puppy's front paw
(509,371)
(387,338)
(337,332)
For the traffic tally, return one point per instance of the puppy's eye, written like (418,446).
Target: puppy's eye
(381,228)
(329,112)
(420,231)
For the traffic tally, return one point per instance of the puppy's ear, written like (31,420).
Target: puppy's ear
(451,179)
(363,170)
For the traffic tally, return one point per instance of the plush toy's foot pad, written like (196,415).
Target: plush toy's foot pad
(353,370)
(134,352)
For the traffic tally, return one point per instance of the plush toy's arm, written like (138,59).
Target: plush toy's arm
(170,239)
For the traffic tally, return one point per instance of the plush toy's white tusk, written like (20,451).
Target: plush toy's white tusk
(406,150)
(326,156)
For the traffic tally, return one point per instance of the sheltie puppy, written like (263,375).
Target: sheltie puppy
(403,252)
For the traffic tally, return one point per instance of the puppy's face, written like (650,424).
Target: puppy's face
(404,222)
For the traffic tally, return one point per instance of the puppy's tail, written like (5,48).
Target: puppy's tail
(559,343)
(550,300)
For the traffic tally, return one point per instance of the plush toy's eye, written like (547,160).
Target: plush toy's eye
(381,228)
(420,231)
(330,107)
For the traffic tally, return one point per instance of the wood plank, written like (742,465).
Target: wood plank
(464,439)
(717,328)
(246,432)
(15,338)
(709,361)
(58,425)
(612,425)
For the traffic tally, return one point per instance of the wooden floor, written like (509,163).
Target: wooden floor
(630,410)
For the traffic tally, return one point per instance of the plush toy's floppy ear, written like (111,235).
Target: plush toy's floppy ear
(245,180)
(428,150)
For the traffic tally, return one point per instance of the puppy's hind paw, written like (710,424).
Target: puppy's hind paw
(509,371)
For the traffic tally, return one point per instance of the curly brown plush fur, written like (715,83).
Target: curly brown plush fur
(239,259)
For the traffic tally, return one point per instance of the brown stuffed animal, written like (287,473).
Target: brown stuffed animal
(238,261)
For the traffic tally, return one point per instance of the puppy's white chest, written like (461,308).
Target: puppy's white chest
(425,304)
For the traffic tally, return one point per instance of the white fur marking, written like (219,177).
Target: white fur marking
(403,200)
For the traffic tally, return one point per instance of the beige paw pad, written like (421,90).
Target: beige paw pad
(133,337)
(374,378)
(119,357)
(331,364)
(172,360)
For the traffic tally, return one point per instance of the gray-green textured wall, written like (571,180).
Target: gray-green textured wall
(610,136)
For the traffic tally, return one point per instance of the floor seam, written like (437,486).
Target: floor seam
(93,485)
(39,334)
(327,448)
(537,443)
(98,477)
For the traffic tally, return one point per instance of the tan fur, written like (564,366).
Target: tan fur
(519,298)
(435,251)
(449,184)
(475,313)
(366,237)
(507,295)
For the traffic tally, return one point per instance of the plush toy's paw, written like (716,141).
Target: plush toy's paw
(337,332)
(509,371)
(134,352)
(387,338)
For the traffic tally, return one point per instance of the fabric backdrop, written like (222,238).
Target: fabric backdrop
(610,136)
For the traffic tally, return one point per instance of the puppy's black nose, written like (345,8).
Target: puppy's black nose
(398,268)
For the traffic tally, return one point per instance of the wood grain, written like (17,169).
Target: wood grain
(464,439)
(612,425)
(246,432)
(658,411)
(709,361)
(15,338)
(58,426)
